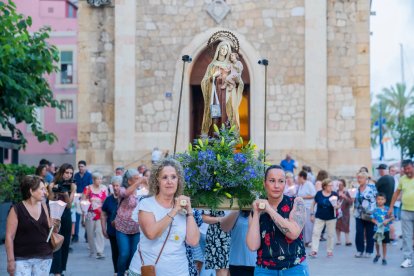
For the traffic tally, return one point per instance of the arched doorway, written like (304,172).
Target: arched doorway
(197,102)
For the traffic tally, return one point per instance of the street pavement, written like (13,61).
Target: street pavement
(343,262)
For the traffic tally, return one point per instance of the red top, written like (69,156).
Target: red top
(96,200)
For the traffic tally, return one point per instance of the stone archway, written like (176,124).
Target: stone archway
(197,102)
(256,76)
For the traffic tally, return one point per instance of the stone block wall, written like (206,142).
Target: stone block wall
(348,84)
(275,29)
(96,86)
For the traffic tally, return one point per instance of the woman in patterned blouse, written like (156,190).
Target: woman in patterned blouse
(365,204)
(275,229)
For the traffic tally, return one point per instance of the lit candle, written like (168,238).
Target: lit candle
(183,203)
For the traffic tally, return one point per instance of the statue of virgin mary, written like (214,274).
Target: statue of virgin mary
(229,97)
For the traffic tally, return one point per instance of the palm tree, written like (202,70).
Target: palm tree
(396,101)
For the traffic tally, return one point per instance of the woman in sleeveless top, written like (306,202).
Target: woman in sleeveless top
(28,253)
(275,229)
(63,188)
(96,195)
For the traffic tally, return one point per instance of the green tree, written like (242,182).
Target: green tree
(406,139)
(25,59)
(397,100)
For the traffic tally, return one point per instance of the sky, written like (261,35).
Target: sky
(392,25)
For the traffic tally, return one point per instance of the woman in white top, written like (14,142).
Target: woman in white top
(307,191)
(156,213)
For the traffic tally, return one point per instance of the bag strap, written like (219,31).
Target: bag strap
(47,214)
(162,248)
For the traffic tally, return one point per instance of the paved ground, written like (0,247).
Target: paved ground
(343,263)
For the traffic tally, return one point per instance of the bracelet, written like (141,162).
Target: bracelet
(171,217)
(189,215)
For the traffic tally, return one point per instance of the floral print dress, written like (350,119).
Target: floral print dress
(217,244)
(278,252)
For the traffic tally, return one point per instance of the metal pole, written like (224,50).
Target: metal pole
(265,115)
(185,58)
(265,62)
(380,132)
(402,63)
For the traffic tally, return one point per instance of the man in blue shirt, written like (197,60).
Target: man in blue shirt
(288,164)
(82,179)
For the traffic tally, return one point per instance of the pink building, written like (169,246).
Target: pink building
(61,16)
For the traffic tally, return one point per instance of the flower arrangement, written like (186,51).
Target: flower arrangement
(222,168)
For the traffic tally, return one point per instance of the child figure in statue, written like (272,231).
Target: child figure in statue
(236,68)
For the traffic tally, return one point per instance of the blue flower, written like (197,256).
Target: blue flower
(240,158)
(207,155)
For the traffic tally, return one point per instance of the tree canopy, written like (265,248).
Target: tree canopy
(25,60)
(396,102)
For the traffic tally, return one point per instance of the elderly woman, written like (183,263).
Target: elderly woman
(109,208)
(342,224)
(63,188)
(306,190)
(127,228)
(275,229)
(166,222)
(27,229)
(96,195)
(365,204)
(290,188)
(325,216)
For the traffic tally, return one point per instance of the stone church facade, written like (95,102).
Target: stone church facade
(318,94)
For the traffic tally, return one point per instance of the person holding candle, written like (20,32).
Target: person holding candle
(342,223)
(275,229)
(327,203)
(96,194)
(63,188)
(167,223)
(27,230)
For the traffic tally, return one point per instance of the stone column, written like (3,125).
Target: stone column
(316,74)
(125,88)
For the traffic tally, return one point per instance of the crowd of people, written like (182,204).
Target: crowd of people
(151,225)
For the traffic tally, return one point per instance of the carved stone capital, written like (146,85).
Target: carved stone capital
(99,3)
(218,9)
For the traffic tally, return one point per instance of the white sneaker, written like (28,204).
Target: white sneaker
(368,255)
(407,263)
